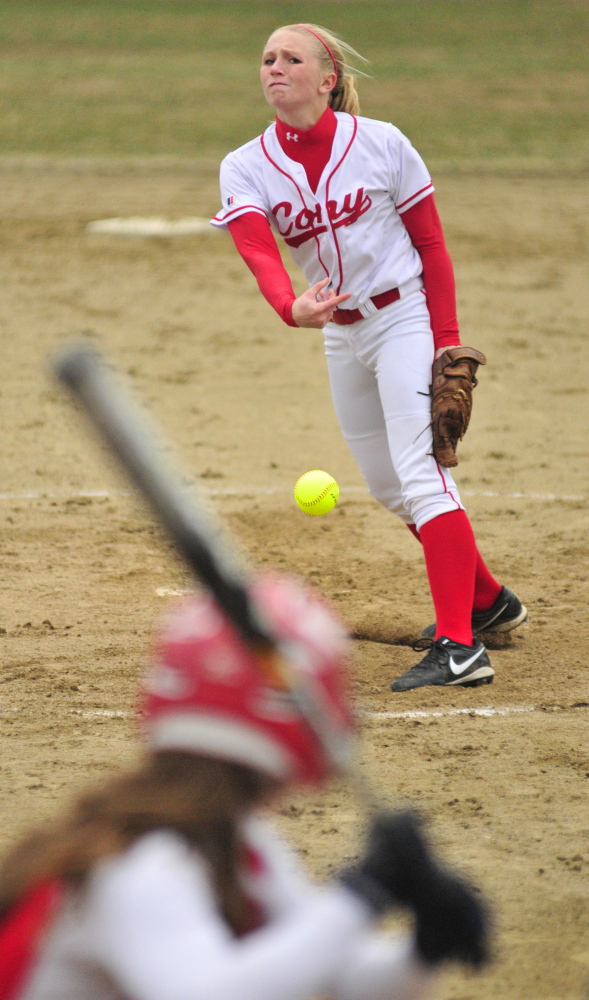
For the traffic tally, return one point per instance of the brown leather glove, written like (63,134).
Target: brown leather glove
(453,379)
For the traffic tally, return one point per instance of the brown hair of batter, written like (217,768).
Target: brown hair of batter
(198,797)
(344,96)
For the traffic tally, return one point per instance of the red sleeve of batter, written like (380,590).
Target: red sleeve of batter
(255,241)
(425,229)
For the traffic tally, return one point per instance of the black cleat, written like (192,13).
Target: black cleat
(447,664)
(504,615)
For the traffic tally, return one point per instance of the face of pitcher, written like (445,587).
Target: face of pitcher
(293,76)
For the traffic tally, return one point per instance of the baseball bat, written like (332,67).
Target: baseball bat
(190,525)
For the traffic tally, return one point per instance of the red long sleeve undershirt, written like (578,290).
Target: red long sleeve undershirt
(425,229)
(255,240)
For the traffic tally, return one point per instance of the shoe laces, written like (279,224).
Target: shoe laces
(420,645)
(434,650)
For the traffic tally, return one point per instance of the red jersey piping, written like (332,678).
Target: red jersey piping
(301,196)
(241,208)
(335,169)
(413,196)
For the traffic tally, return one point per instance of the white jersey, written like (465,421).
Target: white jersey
(350,229)
(147,927)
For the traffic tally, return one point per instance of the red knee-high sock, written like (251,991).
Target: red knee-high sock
(450,554)
(486,588)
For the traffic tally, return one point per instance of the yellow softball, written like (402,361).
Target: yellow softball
(316,492)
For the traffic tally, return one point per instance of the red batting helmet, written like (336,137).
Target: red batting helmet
(208,693)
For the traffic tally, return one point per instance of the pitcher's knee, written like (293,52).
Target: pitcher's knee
(424,509)
(392,501)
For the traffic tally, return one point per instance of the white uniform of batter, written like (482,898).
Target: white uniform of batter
(380,367)
(147,927)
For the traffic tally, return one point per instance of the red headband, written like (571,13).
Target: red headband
(325,45)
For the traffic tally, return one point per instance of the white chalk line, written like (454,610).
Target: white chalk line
(485,713)
(440,713)
(106,713)
(151,226)
(257,491)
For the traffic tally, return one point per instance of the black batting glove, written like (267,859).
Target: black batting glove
(453,924)
(451,920)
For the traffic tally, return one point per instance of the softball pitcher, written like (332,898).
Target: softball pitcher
(168,883)
(354,202)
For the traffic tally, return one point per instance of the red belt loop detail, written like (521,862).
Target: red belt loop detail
(343,317)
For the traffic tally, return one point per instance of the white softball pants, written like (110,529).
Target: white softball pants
(380,373)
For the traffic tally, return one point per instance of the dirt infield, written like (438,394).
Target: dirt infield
(245,404)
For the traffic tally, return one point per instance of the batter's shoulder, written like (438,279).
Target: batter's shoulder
(160,860)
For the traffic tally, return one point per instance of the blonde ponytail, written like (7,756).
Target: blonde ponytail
(344,96)
(332,52)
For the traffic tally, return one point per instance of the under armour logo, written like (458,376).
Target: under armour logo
(292,136)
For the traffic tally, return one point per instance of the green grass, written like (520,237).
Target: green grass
(482,79)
